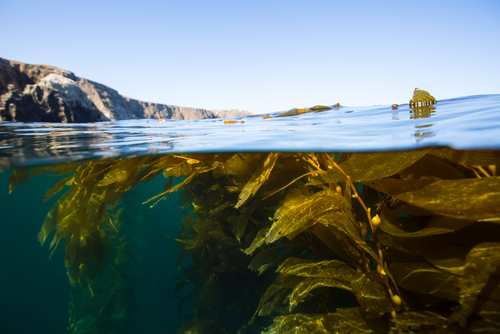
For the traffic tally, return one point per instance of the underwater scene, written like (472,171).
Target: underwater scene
(328,219)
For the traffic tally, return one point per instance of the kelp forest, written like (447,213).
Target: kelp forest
(382,242)
(281,242)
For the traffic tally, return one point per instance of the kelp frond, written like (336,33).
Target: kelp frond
(321,242)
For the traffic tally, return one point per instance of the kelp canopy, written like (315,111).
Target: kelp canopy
(306,242)
(328,243)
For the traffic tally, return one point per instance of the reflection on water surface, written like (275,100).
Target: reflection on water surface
(462,123)
(342,220)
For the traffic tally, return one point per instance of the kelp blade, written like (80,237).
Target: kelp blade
(314,242)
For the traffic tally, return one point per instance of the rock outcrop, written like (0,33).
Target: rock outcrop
(41,93)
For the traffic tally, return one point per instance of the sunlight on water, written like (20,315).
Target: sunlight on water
(315,222)
(461,123)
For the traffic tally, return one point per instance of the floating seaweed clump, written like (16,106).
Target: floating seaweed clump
(307,242)
(421,98)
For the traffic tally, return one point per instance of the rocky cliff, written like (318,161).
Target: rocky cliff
(41,93)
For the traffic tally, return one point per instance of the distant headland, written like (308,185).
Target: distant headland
(42,93)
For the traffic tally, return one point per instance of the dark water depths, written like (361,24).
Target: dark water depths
(34,290)
(461,123)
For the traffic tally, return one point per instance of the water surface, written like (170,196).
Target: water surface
(38,289)
(471,122)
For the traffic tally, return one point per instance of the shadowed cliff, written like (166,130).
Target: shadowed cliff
(42,93)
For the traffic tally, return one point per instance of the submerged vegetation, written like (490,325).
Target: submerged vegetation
(352,242)
(295,242)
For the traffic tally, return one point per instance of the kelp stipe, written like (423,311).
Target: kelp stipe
(375,242)
(302,214)
(319,242)
(107,308)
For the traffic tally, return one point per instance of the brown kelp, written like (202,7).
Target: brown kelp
(353,242)
(104,308)
(297,242)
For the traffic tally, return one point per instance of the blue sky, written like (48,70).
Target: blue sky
(263,56)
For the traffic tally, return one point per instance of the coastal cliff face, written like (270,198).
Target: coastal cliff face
(41,93)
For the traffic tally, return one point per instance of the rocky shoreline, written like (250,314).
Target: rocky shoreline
(42,93)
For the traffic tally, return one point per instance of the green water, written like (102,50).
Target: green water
(35,290)
(273,242)
(245,199)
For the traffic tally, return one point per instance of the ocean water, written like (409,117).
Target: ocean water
(463,123)
(217,292)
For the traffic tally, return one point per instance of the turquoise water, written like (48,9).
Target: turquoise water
(34,291)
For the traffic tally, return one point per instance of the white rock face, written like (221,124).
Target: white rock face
(57,80)
(67,88)
(44,93)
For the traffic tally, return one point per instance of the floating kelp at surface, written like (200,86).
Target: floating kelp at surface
(470,122)
(311,242)
(421,98)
